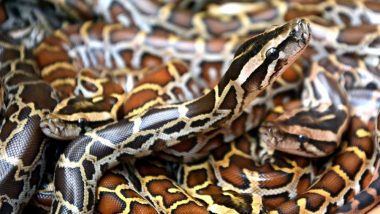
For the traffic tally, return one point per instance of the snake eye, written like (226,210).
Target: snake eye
(302,139)
(272,53)
(82,122)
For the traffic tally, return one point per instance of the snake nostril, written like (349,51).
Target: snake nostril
(302,30)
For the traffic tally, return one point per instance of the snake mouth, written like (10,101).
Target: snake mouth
(59,130)
(275,139)
(269,135)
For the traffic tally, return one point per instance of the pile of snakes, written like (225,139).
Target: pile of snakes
(189,106)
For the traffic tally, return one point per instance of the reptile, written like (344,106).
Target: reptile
(140,135)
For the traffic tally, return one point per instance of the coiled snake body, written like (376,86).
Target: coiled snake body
(162,114)
(138,136)
(27,100)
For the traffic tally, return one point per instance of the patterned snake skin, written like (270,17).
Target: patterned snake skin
(204,111)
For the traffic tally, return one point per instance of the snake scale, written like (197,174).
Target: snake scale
(27,99)
(168,106)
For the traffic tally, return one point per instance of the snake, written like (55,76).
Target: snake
(26,100)
(215,204)
(93,102)
(317,132)
(294,36)
(193,175)
(354,175)
(30,22)
(203,181)
(156,88)
(296,140)
(342,10)
(221,18)
(103,100)
(117,186)
(325,198)
(211,61)
(198,179)
(87,57)
(368,197)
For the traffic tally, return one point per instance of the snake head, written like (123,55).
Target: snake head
(58,129)
(264,57)
(306,132)
(274,138)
